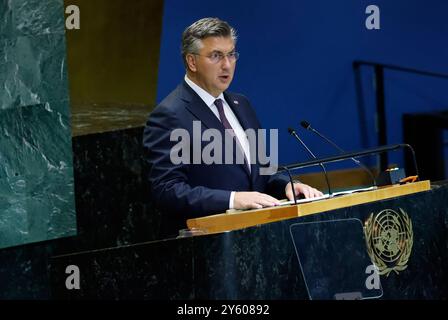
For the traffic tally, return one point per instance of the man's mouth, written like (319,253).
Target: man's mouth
(224,77)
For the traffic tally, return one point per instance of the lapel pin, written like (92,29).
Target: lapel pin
(235,102)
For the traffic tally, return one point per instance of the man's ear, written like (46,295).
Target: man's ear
(191,62)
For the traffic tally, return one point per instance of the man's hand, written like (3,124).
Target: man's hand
(253,200)
(301,188)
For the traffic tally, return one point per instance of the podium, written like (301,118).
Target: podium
(234,221)
(330,249)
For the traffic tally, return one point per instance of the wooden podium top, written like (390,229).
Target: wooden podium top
(248,218)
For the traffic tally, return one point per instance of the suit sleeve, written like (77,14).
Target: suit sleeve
(276,186)
(170,190)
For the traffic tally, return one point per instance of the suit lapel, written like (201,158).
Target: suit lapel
(239,111)
(246,122)
(199,109)
(203,113)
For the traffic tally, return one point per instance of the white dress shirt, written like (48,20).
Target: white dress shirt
(233,120)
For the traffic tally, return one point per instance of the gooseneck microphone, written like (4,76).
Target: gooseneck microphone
(295,135)
(307,126)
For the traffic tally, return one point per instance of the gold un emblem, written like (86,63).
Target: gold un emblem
(389,239)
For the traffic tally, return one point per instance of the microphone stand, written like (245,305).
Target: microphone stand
(307,126)
(295,135)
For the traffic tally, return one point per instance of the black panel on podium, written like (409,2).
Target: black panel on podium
(347,269)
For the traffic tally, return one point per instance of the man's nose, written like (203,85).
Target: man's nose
(226,62)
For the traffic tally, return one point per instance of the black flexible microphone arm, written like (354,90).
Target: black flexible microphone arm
(349,155)
(292,182)
(295,135)
(307,126)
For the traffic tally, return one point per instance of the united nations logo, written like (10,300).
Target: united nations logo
(389,239)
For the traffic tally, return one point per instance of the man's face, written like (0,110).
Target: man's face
(214,77)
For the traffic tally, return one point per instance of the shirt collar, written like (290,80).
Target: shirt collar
(204,95)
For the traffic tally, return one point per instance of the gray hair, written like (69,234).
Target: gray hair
(201,29)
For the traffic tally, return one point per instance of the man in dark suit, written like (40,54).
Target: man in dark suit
(195,187)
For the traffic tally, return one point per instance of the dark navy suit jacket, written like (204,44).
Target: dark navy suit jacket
(186,191)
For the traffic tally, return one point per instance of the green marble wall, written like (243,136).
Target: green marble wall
(36,171)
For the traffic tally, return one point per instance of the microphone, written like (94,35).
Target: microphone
(308,126)
(295,135)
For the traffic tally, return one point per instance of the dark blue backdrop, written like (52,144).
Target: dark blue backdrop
(296,63)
